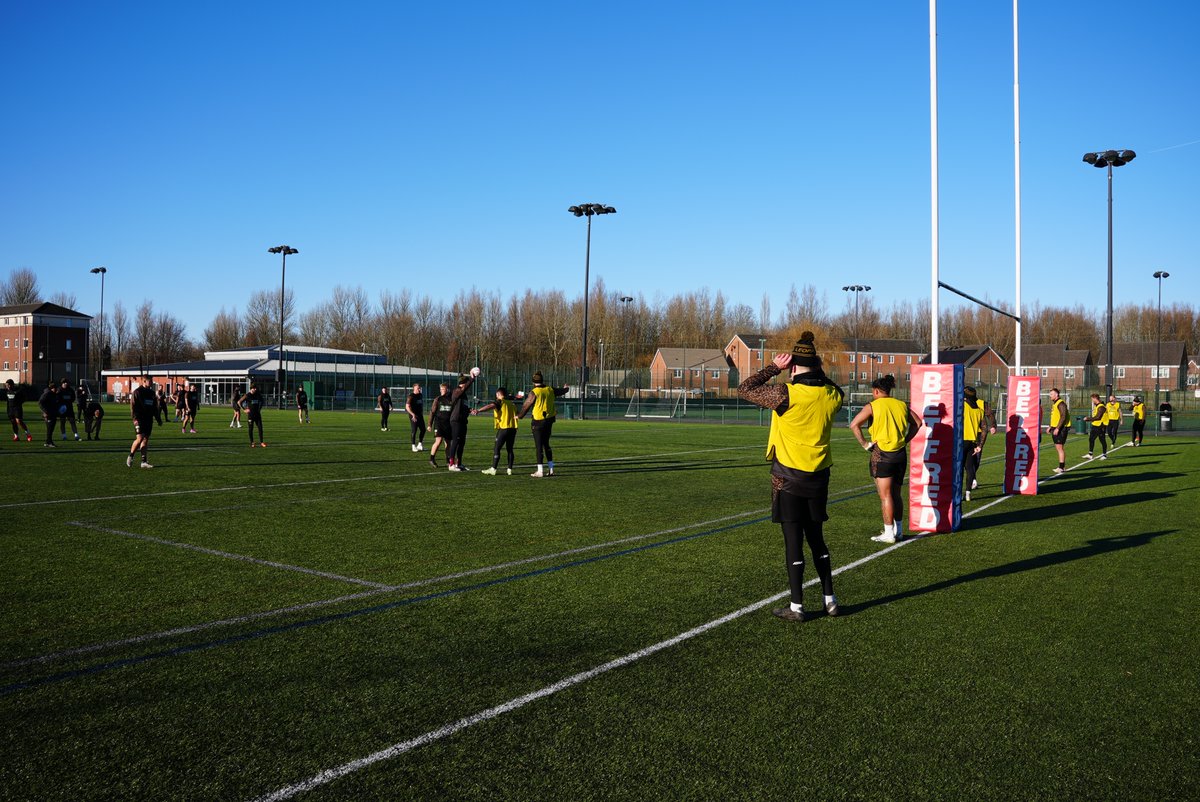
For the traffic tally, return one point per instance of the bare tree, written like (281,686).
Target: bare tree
(118,340)
(261,319)
(64,299)
(21,287)
(224,332)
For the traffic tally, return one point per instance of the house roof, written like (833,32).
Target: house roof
(887,346)
(1146,353)
(42,308)
(1055,354)
(965,355)
(692,358)
(751,340)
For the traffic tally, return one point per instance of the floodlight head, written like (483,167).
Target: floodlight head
(1161,274)
(575,210)
(99,270)
(866,289)
(1128,156)
(1090,158)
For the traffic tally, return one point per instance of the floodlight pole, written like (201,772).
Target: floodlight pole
(856,289)
(284,250)
(1160,275)
(625,299)
(1110,159)
(586,210)
(100,351)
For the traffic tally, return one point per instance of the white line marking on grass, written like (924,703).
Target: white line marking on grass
(232,556)
(395,750)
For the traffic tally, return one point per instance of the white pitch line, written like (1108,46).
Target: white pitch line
(395,750)
(231,556)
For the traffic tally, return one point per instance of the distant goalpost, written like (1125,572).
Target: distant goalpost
(657,404)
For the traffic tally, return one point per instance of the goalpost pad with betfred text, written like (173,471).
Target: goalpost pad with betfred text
(935,454)
(1021,438)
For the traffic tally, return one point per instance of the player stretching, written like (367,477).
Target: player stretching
(142,403)
(798,448)
(1099,420)
(1060,425)
(893,425)
(504,413)
(541,402)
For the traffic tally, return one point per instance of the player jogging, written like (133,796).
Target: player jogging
(142,403)
(1060,425)
(504,416)
(254,406)
(14,408)
(1113,408)
(893,425)
(541,403)
(1099,420)
(1139,420)
(974,436)
(414,405)
(798,448)
(439,421)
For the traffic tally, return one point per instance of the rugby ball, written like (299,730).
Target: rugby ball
(475,373)
(62,410)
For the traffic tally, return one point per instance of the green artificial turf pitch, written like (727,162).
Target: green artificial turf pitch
(240,620)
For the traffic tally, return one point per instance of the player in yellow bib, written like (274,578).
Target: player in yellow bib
(893,425)
(504,419)
(1113,410)
(541,403)
(798,449)
(1139,420)
(974,436)
(1060,425)
(1099,421)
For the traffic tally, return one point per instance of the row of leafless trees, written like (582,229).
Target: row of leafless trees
(545,328)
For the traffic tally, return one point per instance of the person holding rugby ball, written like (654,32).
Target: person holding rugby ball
(893,425)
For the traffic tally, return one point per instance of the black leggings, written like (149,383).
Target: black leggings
(504,439)
(255,420)
(970,463)
(417,428)
(383,416)
(1097,432)
(794,535)
(68,417)
(1112,431)
(458,440)
(1139,426)
(541,439)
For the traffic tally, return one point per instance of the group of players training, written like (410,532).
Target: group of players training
(798,448)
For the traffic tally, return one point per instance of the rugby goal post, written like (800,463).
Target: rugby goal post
(657,404)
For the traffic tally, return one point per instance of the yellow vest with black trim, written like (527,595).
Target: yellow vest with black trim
(1139,411)
(799,437)
(543,403)
(1059,414)
(972,421)
(1099,415)
(889,423)
(504,415)
(1113,410)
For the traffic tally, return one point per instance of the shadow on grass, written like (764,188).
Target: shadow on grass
(1103,478)
(1050,511)
(1094,548)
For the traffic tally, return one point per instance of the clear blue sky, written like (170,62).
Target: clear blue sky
(747,147)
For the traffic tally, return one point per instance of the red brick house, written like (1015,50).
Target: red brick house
(1134,366)
(746,354)
(697,370)
(1059,366)
(43,341)
(874,359)
(982,363)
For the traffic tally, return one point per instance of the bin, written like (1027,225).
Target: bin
(1164,422)
(1080,425)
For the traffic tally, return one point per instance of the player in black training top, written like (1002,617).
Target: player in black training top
(142,403)
(93,416)
(13,400)
(48,404)
(66,408)
(302,405)
(439,421)
(414,405)
(384,402)
(254,406)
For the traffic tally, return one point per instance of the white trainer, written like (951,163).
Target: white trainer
(537,474)
(967,495)
(147,465)
(420,446)
(974,484)
(884,537)
(1059,470)
(1103,456)
(508,471)
(488,471)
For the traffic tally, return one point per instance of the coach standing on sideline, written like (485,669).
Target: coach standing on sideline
(798,448)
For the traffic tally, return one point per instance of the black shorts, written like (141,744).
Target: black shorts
(143,426)
(441,428)
(888,464)
(1060,438)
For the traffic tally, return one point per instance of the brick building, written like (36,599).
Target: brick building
(43,341)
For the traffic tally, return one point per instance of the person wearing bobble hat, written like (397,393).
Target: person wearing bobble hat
(460,413)
(893,426)
(798,449)
(541,402)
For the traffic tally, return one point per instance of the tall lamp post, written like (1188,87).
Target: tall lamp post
(100,351)
(587,210)
(284,251)
(1110,159)
(1160,275)
(625,301)
(856,289)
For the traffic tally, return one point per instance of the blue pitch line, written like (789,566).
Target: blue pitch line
(378,608)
